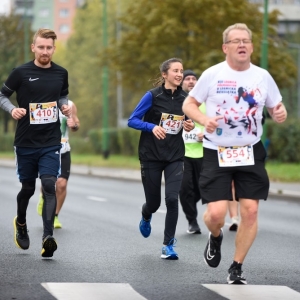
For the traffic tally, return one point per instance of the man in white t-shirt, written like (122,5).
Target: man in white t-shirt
(235,93)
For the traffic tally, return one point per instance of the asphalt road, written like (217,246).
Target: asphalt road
(102,256)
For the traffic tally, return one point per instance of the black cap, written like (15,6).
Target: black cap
(189,73)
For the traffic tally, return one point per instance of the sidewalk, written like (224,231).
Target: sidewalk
(277,189)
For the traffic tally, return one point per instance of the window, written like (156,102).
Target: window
(64,28)
(64,13)
(44,12)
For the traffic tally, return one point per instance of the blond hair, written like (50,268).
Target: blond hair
(45,33)
(240,26)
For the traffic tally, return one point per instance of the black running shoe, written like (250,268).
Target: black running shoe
(212,252)
(235,275)
(49,246)
(194,228)
(21,235)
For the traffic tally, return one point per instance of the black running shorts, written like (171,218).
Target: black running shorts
(251,182)
(65,165)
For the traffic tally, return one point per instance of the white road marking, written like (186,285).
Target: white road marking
(97,199)
(161,211)
(92,291)
(254,292)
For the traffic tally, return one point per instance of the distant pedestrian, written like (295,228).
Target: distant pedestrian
(190,191)
(235,92)
(72,123)
(161,149)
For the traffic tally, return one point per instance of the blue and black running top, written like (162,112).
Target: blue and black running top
(33,84)
(147,115)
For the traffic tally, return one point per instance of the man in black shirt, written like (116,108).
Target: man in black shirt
(41,86)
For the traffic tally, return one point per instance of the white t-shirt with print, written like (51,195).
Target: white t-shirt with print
(238,96)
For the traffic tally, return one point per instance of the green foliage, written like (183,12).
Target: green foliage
(284,140)
(129,140)
(121,141)
(83,57)
(156,30)
(7,142)
(12,44)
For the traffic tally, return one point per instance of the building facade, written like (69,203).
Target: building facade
(55,14)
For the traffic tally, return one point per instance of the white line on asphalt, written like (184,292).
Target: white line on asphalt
(97,199)
(92,291)
(254,292)
(161,211)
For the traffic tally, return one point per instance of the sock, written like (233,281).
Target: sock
(236,265)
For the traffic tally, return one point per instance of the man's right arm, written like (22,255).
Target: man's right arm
(191,108)
(5,103)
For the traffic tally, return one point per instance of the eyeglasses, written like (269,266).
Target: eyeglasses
(238,41)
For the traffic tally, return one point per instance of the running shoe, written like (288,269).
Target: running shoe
(193,228)
(21,235)
(57,224)
(40,205)
(212,252)
(49,246)
(234,224)
(235,275)
(168,252)
(145,227)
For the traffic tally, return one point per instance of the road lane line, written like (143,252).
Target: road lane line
(92,291)
(253,292)
(97,199)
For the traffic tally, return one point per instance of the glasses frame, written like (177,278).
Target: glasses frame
(248,41)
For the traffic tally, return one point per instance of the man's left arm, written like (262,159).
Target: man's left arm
(278,112)
(73,121)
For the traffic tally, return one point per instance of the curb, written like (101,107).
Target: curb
(279,191)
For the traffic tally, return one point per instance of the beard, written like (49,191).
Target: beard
(44,60)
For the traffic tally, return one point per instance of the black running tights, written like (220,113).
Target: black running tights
(151,178)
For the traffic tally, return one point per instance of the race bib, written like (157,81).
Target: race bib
(171,123)
(43,113)
(235,156)
(192,136)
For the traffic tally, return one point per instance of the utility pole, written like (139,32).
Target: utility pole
(264,59)
(119,74)
(105,150)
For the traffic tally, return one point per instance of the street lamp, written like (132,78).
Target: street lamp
(297,46)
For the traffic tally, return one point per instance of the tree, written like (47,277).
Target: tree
(11,51)
(156,30)
(83,57)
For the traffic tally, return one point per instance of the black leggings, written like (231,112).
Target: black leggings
(151,177)
(190,191)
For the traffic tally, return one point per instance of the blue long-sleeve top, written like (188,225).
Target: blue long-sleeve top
(136,118)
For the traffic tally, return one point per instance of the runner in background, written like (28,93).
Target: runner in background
(160,118)
(233,210)
(62,181)
(190,191)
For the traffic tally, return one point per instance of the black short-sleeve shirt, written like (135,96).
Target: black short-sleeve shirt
(36,85)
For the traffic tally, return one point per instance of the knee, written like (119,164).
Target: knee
(215,214)
(61,184)
(48,184)
(28,189)
(172,202)
(249,214)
